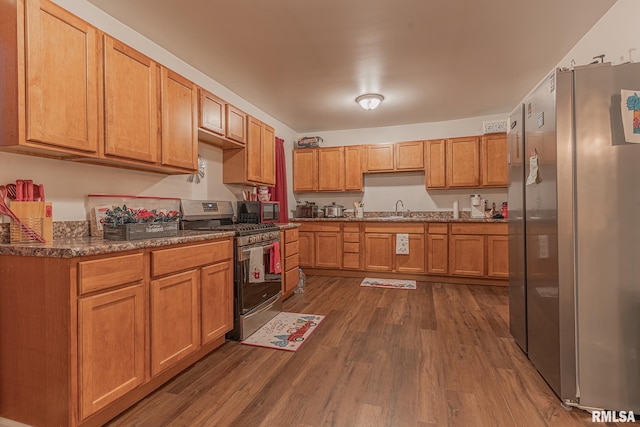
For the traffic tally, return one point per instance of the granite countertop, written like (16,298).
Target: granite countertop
(84,246)
(403,219)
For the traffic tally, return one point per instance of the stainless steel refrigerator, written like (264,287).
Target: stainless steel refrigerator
(574,236)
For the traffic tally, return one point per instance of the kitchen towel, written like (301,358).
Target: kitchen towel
(402,244)
(274,259)
(256,265)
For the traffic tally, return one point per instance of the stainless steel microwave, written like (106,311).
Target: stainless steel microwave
(258,212)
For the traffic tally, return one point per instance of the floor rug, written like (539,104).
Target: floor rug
(388,283)
(286,331)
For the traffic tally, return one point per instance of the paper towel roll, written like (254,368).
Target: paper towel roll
(456,212)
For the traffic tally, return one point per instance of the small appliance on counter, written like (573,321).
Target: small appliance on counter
(306,210)
(333,211)
(478,206)
(258,212)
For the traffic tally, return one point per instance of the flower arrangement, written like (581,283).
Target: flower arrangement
(125,215)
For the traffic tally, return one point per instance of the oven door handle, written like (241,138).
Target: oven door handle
(265,248)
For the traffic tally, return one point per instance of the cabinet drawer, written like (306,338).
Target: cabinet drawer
(291,235)
(351,237)
(351,228)
(290,248)
(351,247)
(499,228)
(438,228)
(292,261)
(321,226)
(394,228)
(177,259)
(108,272)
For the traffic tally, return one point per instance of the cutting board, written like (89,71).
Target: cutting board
(36,210)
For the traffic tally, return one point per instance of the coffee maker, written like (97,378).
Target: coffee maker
(478,206)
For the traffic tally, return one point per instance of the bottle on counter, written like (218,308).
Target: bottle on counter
(456,210)
(301,282)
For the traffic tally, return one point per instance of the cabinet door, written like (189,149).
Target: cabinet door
(179,132)
(254,150)
(380,157)
(216,300)
(466,255)
(498,256)
(494,160)
(212,115)
(328,249)
(111,346)
(131,103)
(268,156)
(236,129)
(331,169)
(414,261)
(353,168)
(306,248)
(62,78)
(378,251)
(437,253)
(463,162)
(174,322)
(409,155)
(435,163)
(305,170)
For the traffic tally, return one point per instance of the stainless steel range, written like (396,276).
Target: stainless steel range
(257,279)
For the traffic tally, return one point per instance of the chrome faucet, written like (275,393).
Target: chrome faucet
(399,201)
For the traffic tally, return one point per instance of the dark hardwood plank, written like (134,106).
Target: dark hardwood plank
(440,355)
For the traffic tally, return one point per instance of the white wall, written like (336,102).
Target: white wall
(67,184)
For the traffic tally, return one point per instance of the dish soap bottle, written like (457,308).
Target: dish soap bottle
(301,282)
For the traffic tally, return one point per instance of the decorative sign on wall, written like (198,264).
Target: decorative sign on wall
(494,126)
(630,111)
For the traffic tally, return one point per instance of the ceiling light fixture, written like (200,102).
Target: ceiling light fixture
(369,101)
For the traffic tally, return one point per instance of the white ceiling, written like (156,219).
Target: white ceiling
(304,62)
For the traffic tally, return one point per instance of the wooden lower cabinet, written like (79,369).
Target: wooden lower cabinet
(438,249)
(328,249)
(111,336)
(216,300)
(498,256)
(351,249)
(96,334)
(467,255)
(378,249)
(306,248)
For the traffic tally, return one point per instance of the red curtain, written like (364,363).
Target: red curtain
(279,192)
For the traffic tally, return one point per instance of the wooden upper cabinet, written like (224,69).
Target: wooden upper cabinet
(236,129)
(179,110)
(49,81)
(131,103)
(494,160)
(254,150)
(305,170)
(409,155)
(435,164)
(380,157)
(253,164)
(331,169)
(213,115)
(353,168)
(395,157)
(463,162)
(268,156)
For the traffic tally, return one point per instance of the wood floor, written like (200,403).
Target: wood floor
(440,355)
